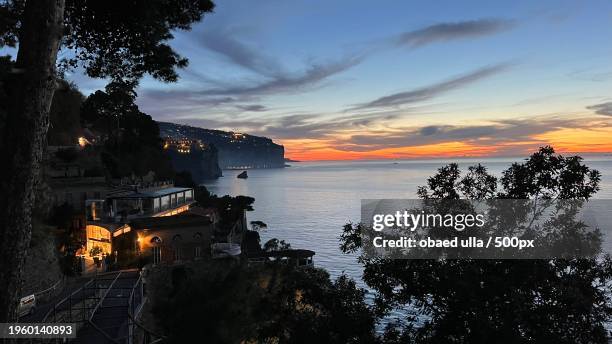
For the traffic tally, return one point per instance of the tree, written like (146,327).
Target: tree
(258,225)
(274,303)
(276,245)
(132,145)
(111,39)
(64,121)
(231,209)
(104,111)
(503,301)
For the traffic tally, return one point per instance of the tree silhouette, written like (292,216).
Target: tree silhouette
(271,303)
(502,301)
(131,138)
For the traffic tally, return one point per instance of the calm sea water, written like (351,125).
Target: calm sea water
(308,203)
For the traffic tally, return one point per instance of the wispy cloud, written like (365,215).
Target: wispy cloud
(272,78)
(275,79)
(191,101)
(493,133)
(252,107)
(604,109)
(453,31)
(431,91)
(226,44)
(312,76)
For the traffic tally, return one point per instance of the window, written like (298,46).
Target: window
(181,197)
(177,254)
(173,200)
(189,195)
(197,252)
(177,238)
(156,240)
(165,202)
(156,252)
(197,236)
(156,204)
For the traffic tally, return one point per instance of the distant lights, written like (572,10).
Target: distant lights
(183,146)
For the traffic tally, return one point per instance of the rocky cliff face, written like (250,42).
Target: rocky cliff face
(202,163)
(235,150)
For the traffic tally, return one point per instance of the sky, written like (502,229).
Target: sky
(396,79)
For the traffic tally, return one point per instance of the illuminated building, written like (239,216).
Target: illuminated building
(110,217)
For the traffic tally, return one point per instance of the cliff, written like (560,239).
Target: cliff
(201,160)
(235,150)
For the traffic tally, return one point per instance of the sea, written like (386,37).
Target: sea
(308,203)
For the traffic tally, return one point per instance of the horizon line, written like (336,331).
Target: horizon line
(581,154)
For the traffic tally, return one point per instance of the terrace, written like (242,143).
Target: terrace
(122,208)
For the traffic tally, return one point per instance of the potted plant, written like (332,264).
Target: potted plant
(94,252)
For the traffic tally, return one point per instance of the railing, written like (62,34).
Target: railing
(74,308)
(138,333)
(93,312)
(41,295)
(82,305)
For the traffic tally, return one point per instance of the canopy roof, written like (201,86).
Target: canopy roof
(152,194)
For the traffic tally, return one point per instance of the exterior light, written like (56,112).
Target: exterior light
(83,141)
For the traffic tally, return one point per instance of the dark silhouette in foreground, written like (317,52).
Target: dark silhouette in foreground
(502,301)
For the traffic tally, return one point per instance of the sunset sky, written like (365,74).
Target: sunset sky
(363,79)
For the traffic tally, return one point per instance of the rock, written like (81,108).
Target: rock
(243,175)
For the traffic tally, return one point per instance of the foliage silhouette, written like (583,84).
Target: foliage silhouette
(132,145)
(230,303)
(502,301)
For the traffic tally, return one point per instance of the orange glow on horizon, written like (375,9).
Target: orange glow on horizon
(568,140)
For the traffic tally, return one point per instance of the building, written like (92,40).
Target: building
(172,239)
(110,218)
(130,218)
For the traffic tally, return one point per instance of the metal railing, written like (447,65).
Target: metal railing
(138,333)
(75,308)
(82,306)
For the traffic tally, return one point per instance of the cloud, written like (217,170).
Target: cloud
(428,92)
(604,109)
(589,74)
(225,43)
(272,79)
(297,127)
(321,126)
(490,134)
(252,107)
(283,83)
(453,31)
(293,126)
(178,102)
(184,101)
